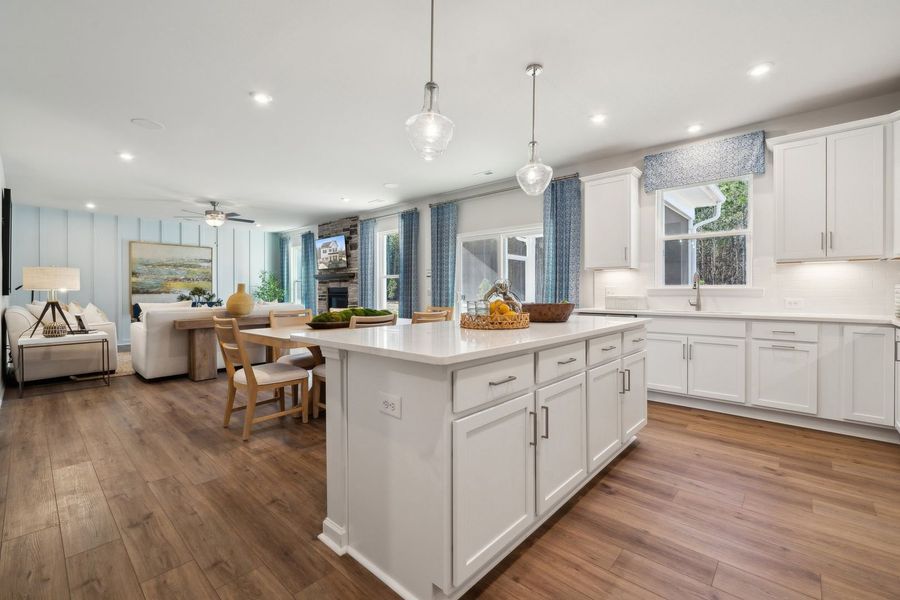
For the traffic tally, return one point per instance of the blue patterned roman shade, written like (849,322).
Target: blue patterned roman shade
(409,249)
(706,161)
(367,274)
(443,254)
(562,240)
(308,296)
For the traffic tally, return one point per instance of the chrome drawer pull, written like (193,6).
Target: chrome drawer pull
(546,410)
(569,360)
(533,428)
(784,347)
(784,332)
(608,348)
(502,381)
(636,340)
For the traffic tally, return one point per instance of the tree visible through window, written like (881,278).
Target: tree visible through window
(706,230)
(389,270)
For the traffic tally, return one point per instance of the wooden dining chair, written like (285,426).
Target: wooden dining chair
(305,358)
(428,316)
(447,309)
(318,372)
(242,375)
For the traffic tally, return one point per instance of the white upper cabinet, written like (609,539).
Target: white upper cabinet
(611,219)
(855,192)
(895,127)
(830,194)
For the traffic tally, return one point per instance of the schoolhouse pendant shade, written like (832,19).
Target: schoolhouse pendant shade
(45,279)
(535,176)
(429,132)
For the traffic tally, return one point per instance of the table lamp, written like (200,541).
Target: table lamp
(51,280)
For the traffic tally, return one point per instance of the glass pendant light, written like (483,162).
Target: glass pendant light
(429,131)
(535,176)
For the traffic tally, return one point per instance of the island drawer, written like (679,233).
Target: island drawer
(634,340)
(605,348)
(559,362)
(785,330)
(474,386)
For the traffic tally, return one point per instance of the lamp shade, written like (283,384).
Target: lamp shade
(45,279)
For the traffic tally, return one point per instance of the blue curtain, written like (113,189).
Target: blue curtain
(443,254)
(367,275)
(562,240)
(285,275)
(409,249)
(308,296)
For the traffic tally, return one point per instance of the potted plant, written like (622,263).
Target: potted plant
(269,288)
(201,297)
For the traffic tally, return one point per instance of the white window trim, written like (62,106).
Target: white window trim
(381,267)
(499,235)
(662,238)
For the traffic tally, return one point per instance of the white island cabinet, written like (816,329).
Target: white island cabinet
(447,447)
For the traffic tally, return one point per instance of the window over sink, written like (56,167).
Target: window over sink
(705,229)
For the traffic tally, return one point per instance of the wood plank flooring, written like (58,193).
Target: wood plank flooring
(136,491)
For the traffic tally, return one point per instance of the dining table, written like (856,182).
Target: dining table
(277,340)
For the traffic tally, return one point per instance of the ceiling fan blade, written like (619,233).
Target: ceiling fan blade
(232,214)
(183,217)
(242,220)
(193,212)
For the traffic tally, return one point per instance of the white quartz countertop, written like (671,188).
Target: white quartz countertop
(763,316)
(446,343)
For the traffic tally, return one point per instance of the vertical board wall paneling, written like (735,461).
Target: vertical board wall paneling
(105,268)
(128,230)
(208,237)
(80,254)
(241,253)
(54,234)
(150,230)
(26,243)
(257,256)
(225,263)
(170,232)
(190,234)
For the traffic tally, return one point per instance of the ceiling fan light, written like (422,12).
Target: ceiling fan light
(429,131)
(535,176)
(215,219)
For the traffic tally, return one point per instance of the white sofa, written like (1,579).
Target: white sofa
(160,350)
(56,361)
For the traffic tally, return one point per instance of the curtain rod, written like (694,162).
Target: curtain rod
(500,191)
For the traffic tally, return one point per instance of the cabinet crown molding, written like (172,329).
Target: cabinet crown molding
(839,128)
(633,171)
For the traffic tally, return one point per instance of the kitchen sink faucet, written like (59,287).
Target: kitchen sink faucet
(697,282)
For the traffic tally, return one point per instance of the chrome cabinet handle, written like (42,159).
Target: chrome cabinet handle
(683,351)
(607,348)
(784,347)
(636,340)
(569,360)
(784,332)
(546,410)
(502,381)
(622,391)
(628,373)
(831,240)
(626,252)
(533,441)
(823,240)
(690,352)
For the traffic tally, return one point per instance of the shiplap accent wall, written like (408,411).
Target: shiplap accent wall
(97,244)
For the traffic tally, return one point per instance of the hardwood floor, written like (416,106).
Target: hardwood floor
(136,491)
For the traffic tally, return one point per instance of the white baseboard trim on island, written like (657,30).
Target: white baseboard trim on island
(334,536)
(869,432)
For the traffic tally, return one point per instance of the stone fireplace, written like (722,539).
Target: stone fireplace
(340,285)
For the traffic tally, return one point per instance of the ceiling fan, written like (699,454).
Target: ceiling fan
(216,217)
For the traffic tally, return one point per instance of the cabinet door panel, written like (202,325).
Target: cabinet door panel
(666,363)
(634,400)
(493,482)
(856,193)
(607,223)
(717,368)
(604,425)
(800,200)
(784,375)
(562,448)
(867,386)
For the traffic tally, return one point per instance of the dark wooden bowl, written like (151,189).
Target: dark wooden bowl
(549,313)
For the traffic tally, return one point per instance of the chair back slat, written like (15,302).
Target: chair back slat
(234,353)
(361,322)
(289,318)
(445,309)
(429,317)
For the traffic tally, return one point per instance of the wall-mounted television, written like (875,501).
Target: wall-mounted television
(331,253)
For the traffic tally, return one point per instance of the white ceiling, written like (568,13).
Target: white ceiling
(346,75)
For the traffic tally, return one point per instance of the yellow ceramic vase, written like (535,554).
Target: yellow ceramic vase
(239,303)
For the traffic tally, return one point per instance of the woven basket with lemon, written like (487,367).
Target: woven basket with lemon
(505,311)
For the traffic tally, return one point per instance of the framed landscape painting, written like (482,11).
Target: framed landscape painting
(161,272)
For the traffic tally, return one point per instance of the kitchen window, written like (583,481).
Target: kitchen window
(517,255)
(387,258)
(705,229)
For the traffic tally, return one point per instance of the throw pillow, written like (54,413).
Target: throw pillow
(152,306)
(74,308)
(93,315)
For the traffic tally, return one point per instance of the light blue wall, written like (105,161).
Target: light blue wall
(97,244)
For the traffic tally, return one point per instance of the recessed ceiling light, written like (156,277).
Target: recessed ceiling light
(259,224)
(760,69)
(695,128)
(90,206)
(392,186)
(597,119)
(261,98)
(345,199)
(147,123)
(126,156)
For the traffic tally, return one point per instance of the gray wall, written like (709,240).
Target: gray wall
(97,243)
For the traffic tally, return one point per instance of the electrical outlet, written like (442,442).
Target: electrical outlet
(793,302)
(390,404)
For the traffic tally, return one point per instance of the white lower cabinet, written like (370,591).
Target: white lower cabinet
(561,443)
(717,368)
(634,400)
(784,375)
(493,459)
(666,363)
(604,422)
(867,378)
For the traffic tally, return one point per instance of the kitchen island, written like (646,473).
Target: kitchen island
(447,447)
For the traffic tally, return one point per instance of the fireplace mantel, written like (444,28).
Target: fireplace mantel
(335,276)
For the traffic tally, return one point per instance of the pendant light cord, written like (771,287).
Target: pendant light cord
(431,54)
(533,101)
